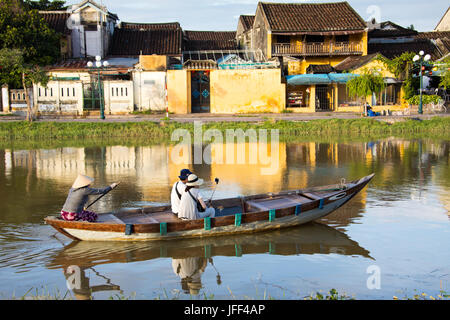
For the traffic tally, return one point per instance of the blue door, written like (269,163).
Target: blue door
(200,91)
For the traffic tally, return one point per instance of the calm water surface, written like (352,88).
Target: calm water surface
(399,224)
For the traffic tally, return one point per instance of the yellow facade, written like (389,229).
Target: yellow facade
(152,62)
(231,91)
(299,67)
(247,91)
(379,66)
(179,91)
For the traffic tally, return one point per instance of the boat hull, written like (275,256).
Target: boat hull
(253,222)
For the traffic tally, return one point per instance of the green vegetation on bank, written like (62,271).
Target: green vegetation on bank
(18,130)
(333,294)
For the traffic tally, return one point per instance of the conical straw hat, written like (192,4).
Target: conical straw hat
(82,181)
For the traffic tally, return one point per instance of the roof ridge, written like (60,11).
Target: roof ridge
(207,31)
(331,16)
(173,22)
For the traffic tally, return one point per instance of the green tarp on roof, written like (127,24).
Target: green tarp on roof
(308,79)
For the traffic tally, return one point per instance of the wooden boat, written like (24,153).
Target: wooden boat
(233,215)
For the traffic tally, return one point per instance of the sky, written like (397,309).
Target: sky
(223,15)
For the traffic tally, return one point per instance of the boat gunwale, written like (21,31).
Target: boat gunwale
(220,221)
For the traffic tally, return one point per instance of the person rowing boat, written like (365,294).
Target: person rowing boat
(74,208)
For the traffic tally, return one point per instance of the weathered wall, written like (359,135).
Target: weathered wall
(119,96)
(179,91)
(152,62)
(444,23)
(244,91)
(149,90)
(77,75)
(260,34)
(60,97)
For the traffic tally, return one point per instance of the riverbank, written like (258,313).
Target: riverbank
(162,130)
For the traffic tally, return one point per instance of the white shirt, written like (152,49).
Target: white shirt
(174,200)
(188,206)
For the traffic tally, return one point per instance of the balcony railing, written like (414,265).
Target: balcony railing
(317,48)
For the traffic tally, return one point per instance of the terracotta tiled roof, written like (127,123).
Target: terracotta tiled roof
(209,40)
(312,17)
(433,35)
(354,62)
(444,45)
(394,30)
(247,21)
(128,42)
(56,20)
(391,50)
(150,26)
(319,68)
(81,65)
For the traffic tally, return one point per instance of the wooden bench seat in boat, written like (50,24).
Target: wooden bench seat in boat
(146,218)
(276,203)
(109,218)
(312,196)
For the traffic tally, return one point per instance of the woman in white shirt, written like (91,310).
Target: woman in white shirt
(191,201)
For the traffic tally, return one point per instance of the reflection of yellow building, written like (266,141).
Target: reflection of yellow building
(254,167)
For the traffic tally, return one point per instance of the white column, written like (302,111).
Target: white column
(79,86)
(5,98)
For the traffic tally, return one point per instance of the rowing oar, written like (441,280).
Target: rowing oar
(216,180)
(102,196)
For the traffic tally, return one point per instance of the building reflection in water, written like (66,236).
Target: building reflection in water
(148,172)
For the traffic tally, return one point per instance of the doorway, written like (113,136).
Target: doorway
(324,98)
(200,91)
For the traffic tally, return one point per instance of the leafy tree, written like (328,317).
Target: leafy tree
(364,85)
(27,31)
(445,78)
(12,60)
(45,5)
(401,67)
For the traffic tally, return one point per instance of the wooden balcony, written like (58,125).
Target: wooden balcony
(317,49)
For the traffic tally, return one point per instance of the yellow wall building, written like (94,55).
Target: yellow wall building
(229,91)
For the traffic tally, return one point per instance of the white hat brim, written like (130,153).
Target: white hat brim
(199,182)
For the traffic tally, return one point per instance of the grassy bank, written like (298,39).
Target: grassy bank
(162,131)
(333,294)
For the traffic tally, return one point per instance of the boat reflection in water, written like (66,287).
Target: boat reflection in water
(190,257)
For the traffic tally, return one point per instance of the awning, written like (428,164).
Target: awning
(306,79)
(341,77)
(309,79)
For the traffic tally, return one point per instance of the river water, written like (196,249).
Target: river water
(392,239)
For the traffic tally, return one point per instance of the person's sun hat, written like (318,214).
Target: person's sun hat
(193,181)
(184,174)
(82,181)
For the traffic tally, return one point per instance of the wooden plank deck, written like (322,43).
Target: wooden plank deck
(277,203)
